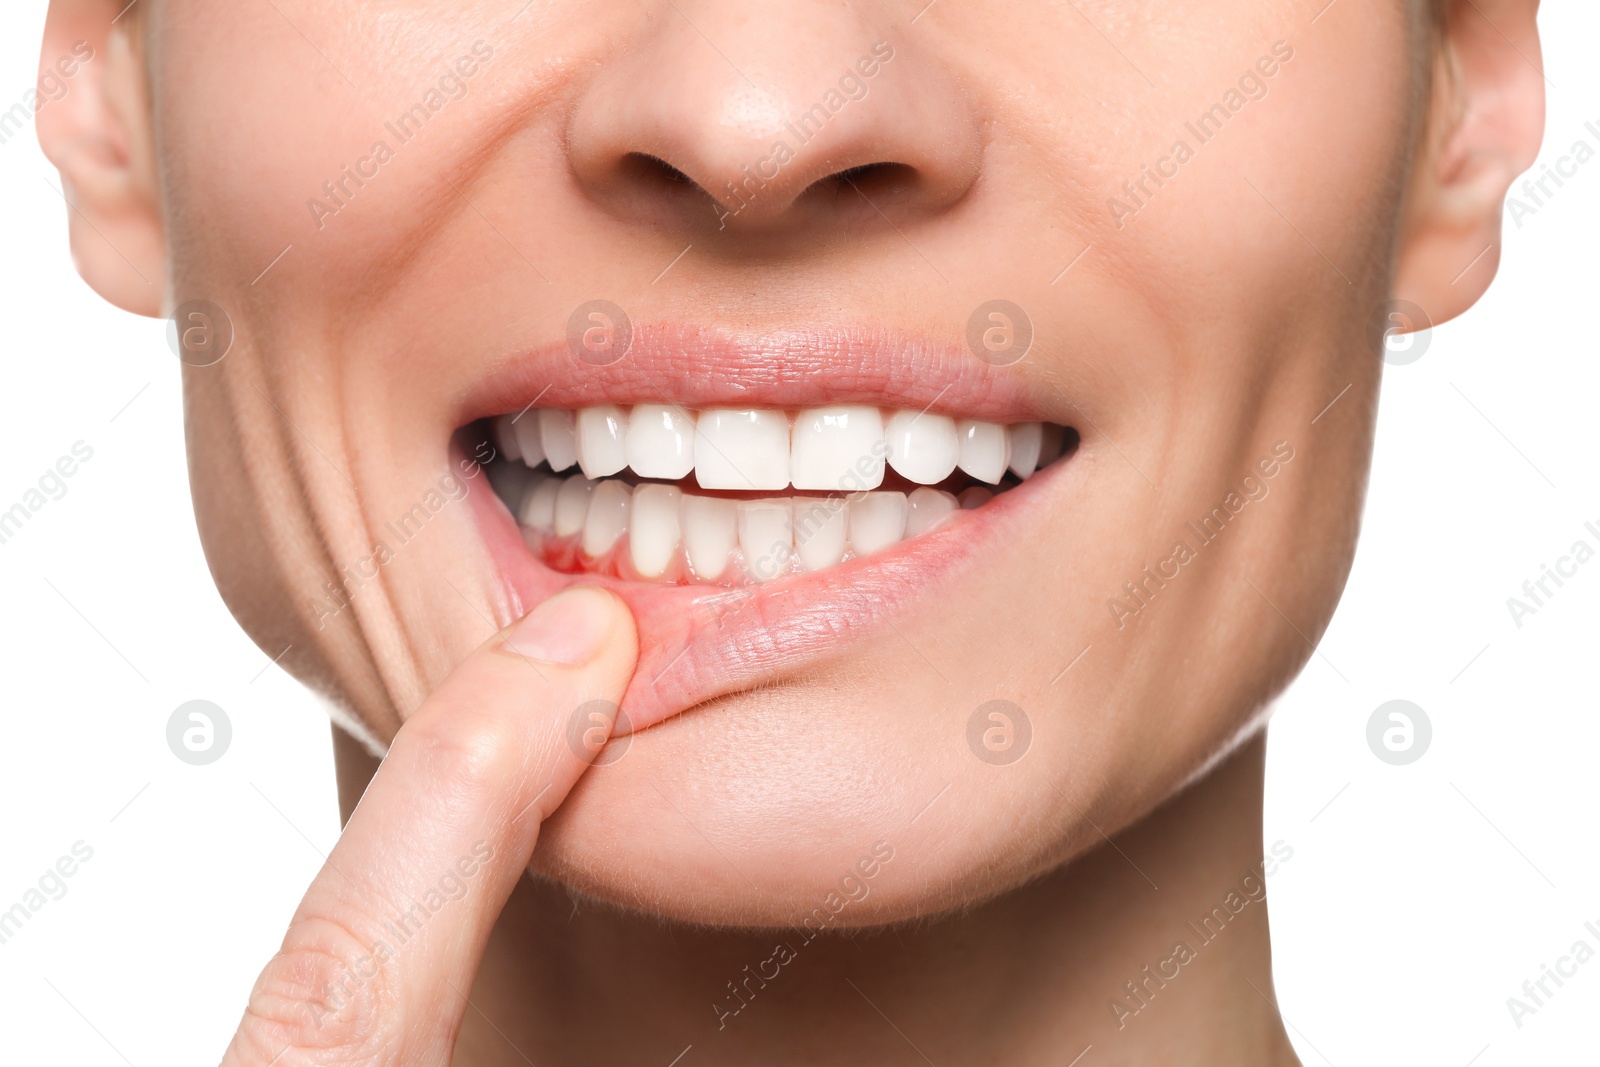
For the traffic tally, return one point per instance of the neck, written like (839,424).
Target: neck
(1154,941)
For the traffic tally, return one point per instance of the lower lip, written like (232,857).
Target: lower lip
(699,642)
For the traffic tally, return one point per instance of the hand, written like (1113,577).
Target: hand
(383,949)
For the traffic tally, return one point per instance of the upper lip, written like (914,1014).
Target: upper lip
(701,367)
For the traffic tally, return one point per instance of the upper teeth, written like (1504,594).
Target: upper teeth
(839,448)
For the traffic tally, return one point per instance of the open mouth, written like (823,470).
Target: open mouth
(660,493)
(762,502)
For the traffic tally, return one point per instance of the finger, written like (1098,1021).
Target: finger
(382,951)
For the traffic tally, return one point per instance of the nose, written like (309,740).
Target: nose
(735,118)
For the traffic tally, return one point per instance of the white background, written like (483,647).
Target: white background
(1418,898)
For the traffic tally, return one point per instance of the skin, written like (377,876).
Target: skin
(1223,322)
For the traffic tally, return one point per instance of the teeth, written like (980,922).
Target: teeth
(525,431)
(741,449)
(600,433)
(839,448)
(558,438)
(572,506)
(927,509)
(984,450)
(660,442)
(709,531)
(769,533)
(766,538)
(877,520)
(607,519)
(654,530)
(820,528)
(1027,441)
(505,437)
(539,506)
(844,450)
(923,448)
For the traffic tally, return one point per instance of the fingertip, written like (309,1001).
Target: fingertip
(574,627)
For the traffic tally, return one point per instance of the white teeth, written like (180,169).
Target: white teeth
(709,530)
(923,448)
(539,506)
(505,437)
(766,538)
(1027,441)
(843,448)
(526,431)
(877,520)
(558,437)
(654,529)
(769,533)
(660,442)
(607,519)
(839,448)
(820,528)
(600,433)
(746,449)
(984,450)
(975,496)
(928,509)
(572,506)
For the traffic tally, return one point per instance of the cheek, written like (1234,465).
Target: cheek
(1227,229)
(259,127)
(1274,208)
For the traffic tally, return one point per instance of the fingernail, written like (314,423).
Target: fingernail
(568,628)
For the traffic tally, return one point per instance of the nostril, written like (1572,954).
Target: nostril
(871,180)
(861,173)
(644,179)
(648,168)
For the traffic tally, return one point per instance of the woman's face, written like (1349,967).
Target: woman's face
(406,211)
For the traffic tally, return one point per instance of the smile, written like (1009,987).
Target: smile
(761,502)
(658,492)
